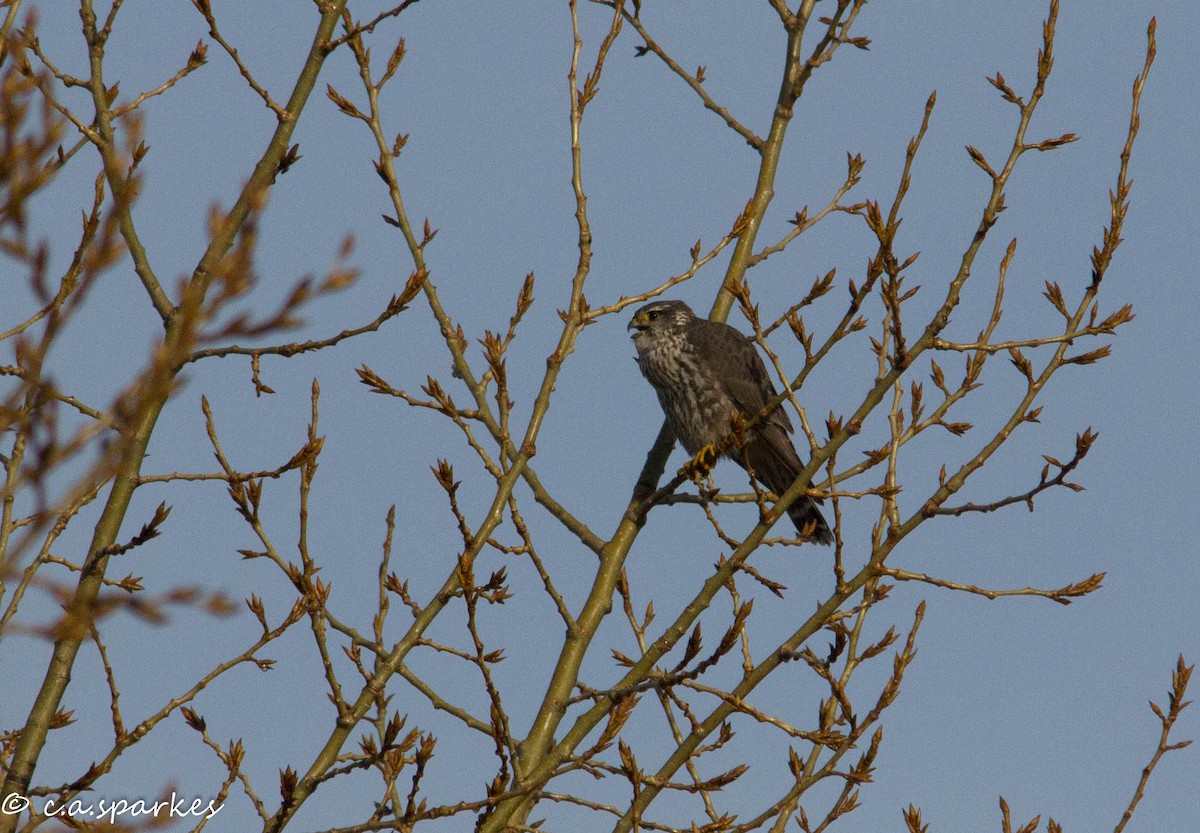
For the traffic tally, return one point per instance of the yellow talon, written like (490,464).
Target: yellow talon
(700,465)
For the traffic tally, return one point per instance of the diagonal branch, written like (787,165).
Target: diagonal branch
(752,139)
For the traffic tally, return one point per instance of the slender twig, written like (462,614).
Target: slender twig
(691,80)
(1062,595)
(195,61)
(119,181)
(358,30)
(43,556)
(1179,683)
(394,308)
(698,261)
(1005,346)
(114,696)
(804,221)
(205,10)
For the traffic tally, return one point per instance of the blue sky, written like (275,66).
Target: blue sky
(1043,704)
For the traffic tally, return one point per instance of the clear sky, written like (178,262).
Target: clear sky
(1043,704)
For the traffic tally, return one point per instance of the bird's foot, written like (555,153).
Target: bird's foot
(700,465)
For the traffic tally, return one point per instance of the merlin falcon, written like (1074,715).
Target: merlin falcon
(704,373)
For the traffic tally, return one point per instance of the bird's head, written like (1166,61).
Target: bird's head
(657,319)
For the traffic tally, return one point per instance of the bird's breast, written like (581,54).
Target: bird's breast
(694,402)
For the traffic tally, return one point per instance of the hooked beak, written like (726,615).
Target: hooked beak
(637,324)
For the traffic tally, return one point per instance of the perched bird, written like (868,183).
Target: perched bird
(706,371)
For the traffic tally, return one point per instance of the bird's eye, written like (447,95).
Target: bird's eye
(652,314)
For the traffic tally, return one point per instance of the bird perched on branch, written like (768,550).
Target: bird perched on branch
(709,379)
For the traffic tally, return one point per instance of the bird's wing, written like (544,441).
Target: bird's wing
(734,360)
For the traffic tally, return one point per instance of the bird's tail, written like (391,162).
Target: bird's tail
(777,471)
(809,520)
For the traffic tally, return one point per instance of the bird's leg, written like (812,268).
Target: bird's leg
(737,430)
(699,466)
